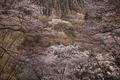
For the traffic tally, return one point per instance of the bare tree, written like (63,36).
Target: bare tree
(16,21)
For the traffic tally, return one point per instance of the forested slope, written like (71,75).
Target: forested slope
(59,40)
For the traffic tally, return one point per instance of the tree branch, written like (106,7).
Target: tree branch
(12,55)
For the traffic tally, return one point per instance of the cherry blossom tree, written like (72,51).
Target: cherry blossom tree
(16,21)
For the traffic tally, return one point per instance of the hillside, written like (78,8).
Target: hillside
(59,40)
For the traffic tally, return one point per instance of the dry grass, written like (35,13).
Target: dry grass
(63,41)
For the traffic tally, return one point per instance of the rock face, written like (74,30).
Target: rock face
(60,7)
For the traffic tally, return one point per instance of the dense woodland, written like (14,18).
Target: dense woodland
(59,40)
